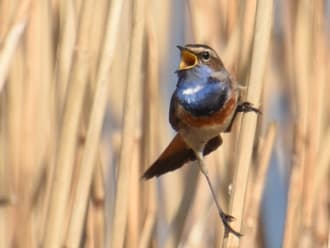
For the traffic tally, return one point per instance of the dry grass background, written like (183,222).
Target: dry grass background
(69,68)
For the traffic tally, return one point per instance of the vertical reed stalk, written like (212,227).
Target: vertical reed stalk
(263,27)
(58,60)
(68,133)
(297,186)
(254,202)
(130,121)
(94,127)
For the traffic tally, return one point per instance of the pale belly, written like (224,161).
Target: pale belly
(197,137)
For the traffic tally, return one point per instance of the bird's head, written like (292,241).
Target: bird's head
(193,55)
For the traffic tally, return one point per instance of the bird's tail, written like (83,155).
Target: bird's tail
(176,155)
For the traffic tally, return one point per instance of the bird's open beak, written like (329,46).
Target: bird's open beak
(188,59)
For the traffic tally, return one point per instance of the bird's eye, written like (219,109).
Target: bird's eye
(205,56)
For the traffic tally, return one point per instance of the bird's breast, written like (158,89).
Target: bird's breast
(197,130)
(219,117)
(207,104)
(202,99)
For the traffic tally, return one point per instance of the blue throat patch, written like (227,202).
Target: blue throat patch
(200,94)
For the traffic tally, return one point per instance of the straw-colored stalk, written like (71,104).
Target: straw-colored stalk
(94,127)
(14,111)
(130,121)
(8,50)
(98,200)
(150,132)
(67,40)
(57,59)
(308,97)
(7,53)
(300,167)
(68,133)
(5,198)
(64,57)
(254,201)
(316,93)
(263,27)
(178,220)
(322,168)
(246,24)
(35,135)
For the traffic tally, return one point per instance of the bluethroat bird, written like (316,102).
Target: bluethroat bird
(203,105)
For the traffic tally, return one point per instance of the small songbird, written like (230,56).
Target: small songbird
(203,105)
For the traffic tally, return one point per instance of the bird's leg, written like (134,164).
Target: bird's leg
(242,107)
(224,217)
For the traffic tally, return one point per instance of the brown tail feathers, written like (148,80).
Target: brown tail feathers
(177,154)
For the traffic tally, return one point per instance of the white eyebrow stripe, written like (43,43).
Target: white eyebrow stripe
(198,50)
(191,91)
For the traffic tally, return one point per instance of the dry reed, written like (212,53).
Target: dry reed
(262,31)
(69,68)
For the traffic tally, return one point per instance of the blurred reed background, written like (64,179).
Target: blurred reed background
(85,88)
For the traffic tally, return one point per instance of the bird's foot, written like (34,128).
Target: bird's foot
(247,107)
(242,107)
(226,219)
